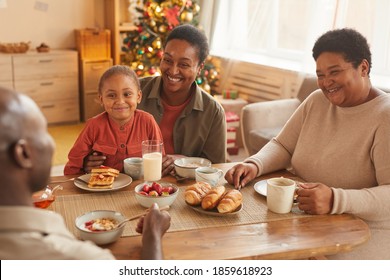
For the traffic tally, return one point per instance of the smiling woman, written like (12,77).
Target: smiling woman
(337,141)
(192,122)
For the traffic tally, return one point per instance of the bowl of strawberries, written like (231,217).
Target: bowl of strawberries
(162,193)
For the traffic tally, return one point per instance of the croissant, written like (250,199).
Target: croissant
(230,201)
(212,198)
(195,193)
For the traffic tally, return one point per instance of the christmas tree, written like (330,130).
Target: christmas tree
(143,46)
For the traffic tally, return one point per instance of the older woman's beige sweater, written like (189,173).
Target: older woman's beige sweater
(347,149)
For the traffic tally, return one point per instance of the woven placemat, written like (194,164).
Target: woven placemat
(183,216)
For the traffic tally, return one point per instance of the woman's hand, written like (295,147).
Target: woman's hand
(168,164)
(241,174)
(315,198)
(93,160)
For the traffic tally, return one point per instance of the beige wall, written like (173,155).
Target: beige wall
(20,21)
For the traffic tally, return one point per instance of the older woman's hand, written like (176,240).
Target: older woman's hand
(241,174)
(93,160)
(315,198)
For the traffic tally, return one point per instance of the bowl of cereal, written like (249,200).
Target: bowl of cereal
(185,167)
(99,226)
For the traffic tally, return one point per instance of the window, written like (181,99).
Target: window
(282,32)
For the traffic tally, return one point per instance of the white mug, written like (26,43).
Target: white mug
(280,194)
(209,175)
(133,167)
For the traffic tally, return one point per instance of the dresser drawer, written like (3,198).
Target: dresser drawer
(40,66)
(92,71)
(50,79)
(60,111)
(49,89)
(6,68)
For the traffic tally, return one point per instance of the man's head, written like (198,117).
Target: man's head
(26,148)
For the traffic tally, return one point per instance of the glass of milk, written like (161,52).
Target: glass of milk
(152,159)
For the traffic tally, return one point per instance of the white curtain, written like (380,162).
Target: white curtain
(208,17)
(283,32)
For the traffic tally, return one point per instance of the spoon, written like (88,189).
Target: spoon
(138,216)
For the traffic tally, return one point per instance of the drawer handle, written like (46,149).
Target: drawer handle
(97,67)
(47,84)
(48,106)
(45,60)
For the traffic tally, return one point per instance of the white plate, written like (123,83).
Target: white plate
(261,187)
(215,212)
(120,182)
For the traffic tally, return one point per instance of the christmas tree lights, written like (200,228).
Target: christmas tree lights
(142,47)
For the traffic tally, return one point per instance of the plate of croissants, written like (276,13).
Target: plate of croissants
(216,201)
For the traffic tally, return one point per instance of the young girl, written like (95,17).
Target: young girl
(118,132)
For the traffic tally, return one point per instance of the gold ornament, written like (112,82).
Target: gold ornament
(156,43)
(186,16)
(134,65)
(152,23)
(213,74)
(159,12)
(152,7)
(207,87)
(196,8)
(180,3)
(166,5)
(162,28)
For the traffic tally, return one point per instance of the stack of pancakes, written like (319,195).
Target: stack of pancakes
(102,177)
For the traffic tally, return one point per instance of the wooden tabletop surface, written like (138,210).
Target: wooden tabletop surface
(293,238)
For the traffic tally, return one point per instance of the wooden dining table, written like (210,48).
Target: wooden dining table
(297,236)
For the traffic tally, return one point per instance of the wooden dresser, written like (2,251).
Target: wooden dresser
(90,73)
(51,79)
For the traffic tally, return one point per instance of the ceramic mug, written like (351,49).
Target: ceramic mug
(209,175)
(280,194)
(133,167)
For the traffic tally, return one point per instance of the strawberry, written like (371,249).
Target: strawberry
(157,187)
(169,190)
(146,188)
